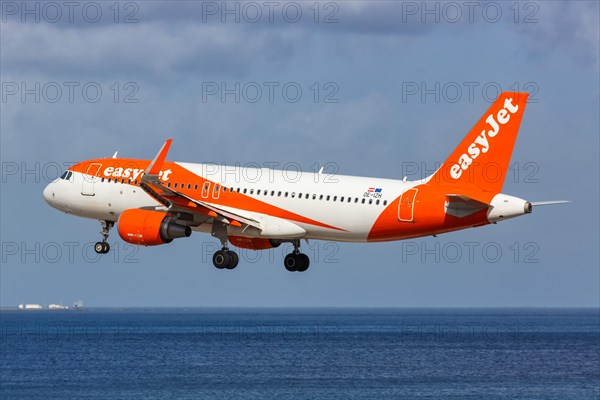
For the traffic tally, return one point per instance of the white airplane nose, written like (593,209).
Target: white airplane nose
(49,194)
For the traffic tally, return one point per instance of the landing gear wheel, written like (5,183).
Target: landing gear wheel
(296,262)
(234,259)
(101,247)
(221,259)
(292,262)
(304,262)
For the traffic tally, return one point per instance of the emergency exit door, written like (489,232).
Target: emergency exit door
(406,207)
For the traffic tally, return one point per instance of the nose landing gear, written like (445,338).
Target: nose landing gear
(103,247)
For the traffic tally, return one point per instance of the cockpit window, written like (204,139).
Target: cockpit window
(66,175)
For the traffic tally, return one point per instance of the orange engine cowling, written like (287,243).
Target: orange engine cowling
(150,228)
(252,243)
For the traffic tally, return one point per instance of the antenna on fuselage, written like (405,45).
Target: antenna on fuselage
(115,155)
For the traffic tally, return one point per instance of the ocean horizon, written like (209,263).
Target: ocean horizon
(291,353)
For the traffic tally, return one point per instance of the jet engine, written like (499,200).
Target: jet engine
(150,228)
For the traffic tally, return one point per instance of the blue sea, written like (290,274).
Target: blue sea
(300,354)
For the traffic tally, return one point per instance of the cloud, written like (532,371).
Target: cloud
(568,27)
(139,49)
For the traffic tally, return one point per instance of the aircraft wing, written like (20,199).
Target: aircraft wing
(170,198)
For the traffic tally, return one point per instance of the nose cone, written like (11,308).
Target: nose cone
(51,196)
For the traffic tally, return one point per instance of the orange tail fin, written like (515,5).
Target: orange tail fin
(482,158)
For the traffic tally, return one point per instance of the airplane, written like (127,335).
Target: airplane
(156,201)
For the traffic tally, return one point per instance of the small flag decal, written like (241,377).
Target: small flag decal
(374,190)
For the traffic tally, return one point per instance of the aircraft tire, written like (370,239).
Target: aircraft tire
(221,259)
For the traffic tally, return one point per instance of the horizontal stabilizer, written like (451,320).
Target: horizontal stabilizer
(461,206)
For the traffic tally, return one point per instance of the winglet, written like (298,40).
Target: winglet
(156,164)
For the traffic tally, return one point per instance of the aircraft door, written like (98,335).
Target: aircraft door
(89,179)
(406,207)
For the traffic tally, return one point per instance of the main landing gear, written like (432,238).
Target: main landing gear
(224,258)
(296,261)
(103,247)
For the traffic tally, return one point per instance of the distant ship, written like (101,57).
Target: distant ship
(77,305)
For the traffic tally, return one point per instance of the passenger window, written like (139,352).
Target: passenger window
(370,201)
(272,193)
(306,197)
(385,202)
(258,192)
(245,191)
(377,202)
(342,199)
(334,198)
(109,180)
(251,191)
(195,187)
(175,185)
(286,194)
(169,184)
(189,185)
(321,197)
(356,199)
(314,196)
(205,189)
(363,201)
(278,194)
(328,197)
(102,180)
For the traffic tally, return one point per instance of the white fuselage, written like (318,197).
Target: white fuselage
(350,203)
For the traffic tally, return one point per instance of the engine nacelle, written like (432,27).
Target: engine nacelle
(150,228)
(253,243)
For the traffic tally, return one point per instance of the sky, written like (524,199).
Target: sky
(378,88)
